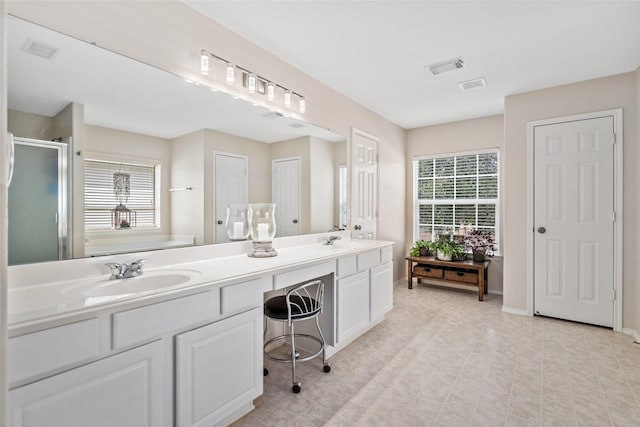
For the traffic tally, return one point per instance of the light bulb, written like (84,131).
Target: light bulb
(251,83)
(231,73)
(271,91)
(303,105)
(287,98)
(204,63)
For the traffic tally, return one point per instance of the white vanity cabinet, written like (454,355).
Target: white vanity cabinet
(381,291)
(353,305)
(121,390)
(218,369)
(364,292)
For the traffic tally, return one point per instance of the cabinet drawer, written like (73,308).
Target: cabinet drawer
(461,276)
(245,295)
(368,260)
(151,321)
(425,271)
(299,275)
(346,266)
(40,352)
(386,254)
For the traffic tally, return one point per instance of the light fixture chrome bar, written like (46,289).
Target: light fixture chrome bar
(252,81)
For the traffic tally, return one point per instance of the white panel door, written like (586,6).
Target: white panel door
(364,191)
(127,389)
(286,196)
(218,369)
(574,222)
(230,187)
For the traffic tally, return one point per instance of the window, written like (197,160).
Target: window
(453,191)
(100,200)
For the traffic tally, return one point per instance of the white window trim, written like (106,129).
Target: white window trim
(498,226)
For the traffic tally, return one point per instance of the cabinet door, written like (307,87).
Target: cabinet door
(218,369)
(381,290)
(126,389)
(353,305)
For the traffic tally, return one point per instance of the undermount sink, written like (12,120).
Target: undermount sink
(147,282)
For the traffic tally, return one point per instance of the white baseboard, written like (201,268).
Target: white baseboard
(633,333)
(516,311)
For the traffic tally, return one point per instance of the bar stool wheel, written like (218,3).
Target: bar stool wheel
(327,368)
(296,388)
(265,372)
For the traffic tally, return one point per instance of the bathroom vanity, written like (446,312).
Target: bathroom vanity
(181,344)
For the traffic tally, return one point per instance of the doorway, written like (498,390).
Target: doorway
(231,187)
(364,187)
(576,221)
(286,196)
(38,202)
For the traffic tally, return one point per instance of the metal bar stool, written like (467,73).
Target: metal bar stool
(297,305)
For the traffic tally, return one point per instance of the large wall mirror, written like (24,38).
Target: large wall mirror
(114,156)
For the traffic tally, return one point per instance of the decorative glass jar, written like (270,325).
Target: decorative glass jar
(262,222)
(237,221)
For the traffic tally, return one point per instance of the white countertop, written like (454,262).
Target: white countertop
(39,303)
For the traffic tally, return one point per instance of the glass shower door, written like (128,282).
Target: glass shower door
(37,202)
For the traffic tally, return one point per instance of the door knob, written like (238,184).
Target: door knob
(542,230)
(219,222)
(295,221)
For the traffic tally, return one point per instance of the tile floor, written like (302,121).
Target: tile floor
(442,358)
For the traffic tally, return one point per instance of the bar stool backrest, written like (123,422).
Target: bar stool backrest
(303,302)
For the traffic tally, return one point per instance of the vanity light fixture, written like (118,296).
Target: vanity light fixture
(271,91)
(204,63)
(287,98)
(253,82)
(231,73)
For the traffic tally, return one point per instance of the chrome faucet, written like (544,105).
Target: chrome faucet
(328,240)
(124,270)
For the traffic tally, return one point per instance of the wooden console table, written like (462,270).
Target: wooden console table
(467,273)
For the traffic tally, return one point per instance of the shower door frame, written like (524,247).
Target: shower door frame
(64,189)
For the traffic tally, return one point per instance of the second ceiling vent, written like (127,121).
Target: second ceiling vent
(444,66)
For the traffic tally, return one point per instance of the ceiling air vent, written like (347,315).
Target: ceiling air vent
(443,67)
(40,49)
(472,84)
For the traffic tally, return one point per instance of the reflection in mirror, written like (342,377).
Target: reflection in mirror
(152,159)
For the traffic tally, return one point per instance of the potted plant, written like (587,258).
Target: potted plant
(480,243)
(449,250)
(422,248)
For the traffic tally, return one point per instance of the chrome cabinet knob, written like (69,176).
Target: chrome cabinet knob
(542,230)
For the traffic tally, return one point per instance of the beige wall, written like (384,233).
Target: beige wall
(27,125)
(455,137)
(321,189)
(120,146)
(170,36)
(298,147)
(606,93)
(187,170)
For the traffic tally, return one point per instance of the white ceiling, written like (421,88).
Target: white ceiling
(374,52)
